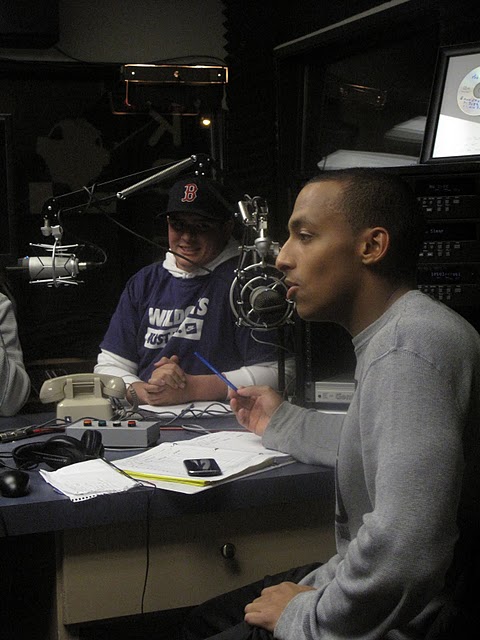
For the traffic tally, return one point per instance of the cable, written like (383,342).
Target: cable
(196,428)
(150,485)
(33,430)
(147,551)
(209,410)
(182,413)
(271,344)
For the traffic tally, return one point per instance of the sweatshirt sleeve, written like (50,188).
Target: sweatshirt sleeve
(393,556)
(114,365)
(308,435)
(14,380)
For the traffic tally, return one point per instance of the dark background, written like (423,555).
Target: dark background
(282,116)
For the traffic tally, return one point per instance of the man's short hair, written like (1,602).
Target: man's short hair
(372,198)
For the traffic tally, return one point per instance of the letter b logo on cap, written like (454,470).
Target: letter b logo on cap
(190,192)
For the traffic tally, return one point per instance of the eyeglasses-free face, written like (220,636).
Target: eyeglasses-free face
(197,240)
(322,257)
(187,226)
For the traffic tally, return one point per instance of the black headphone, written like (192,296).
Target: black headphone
(60,451)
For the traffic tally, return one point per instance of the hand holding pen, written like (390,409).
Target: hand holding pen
(254,406)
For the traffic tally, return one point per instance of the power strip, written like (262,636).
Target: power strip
(119,433)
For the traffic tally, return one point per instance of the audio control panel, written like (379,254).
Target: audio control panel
(119,433)
(451,241)
(448,206)
(449,260)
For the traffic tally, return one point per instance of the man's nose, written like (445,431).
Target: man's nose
(283,262)
(189,233)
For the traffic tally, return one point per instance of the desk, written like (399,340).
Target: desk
(199,545)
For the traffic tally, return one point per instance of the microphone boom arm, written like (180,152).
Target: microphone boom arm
(169,172)
(62,267)
(76,200)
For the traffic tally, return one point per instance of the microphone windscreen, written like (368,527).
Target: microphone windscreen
(269,304)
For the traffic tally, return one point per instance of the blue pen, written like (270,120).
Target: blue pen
(216,372)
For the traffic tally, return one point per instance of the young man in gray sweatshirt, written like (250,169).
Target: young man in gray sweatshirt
(405,453)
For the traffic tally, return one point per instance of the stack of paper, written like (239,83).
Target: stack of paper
(89,479)
(237,453)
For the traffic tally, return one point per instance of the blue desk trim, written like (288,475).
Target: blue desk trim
(44,510)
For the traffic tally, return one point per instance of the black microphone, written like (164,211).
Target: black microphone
(269,302)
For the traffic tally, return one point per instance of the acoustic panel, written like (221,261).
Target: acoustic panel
(29,23)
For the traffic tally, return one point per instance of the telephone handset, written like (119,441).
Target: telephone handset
(82,395)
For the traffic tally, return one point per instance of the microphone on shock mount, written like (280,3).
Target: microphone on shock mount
(46,269)
(55,270)
(258,292)
(61,267)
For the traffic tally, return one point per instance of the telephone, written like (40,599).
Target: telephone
(83,394)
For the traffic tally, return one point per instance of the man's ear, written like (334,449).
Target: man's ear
(376,242)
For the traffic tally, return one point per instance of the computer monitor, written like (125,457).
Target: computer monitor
(452,132)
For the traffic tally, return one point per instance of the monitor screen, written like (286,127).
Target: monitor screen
(453,124)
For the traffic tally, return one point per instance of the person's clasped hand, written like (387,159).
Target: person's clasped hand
(168,372)
(167,384)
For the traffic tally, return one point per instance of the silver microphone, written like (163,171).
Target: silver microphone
(46,267)
(258,292)
(52,271)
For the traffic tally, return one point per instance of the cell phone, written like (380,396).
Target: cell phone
(202,467)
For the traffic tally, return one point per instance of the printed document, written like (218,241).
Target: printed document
(237,453)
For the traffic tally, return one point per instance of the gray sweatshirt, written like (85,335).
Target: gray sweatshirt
(14,380)
(399,470)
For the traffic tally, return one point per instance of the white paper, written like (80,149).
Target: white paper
(190,489)
(237,453)
(456,137)
(86,480)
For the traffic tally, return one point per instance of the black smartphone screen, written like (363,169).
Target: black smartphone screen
(202,467)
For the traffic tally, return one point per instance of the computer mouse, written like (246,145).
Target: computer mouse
(14,483)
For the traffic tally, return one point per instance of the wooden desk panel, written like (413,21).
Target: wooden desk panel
(102,570)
